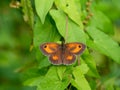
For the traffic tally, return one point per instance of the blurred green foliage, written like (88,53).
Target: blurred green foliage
(15,40)
(18,63)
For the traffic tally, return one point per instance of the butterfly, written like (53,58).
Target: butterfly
(62,53)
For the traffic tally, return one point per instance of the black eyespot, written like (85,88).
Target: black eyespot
(79,46)
(45,46)
(67,5)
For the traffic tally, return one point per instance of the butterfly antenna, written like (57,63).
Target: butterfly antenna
(66,28)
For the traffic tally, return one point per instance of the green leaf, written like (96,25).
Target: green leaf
(42,8)
(44,33)
(50,81)
(83,67)
(43,60)
(88,59)
(74,34)
(60,71)
(101,22)
(72,8)
(80,82)
(103,43)
(53,82)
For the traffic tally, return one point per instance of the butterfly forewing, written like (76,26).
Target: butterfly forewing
(49,48)
(75,48)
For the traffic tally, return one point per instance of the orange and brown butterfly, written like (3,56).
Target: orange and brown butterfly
(62,53)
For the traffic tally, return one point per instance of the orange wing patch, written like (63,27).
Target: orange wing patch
(49,48)
(55,57)
(69,57)
(75,48)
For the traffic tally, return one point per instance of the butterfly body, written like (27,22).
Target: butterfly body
(62,53)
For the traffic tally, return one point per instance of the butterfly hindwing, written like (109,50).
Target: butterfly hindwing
(56,58)
(68,58)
